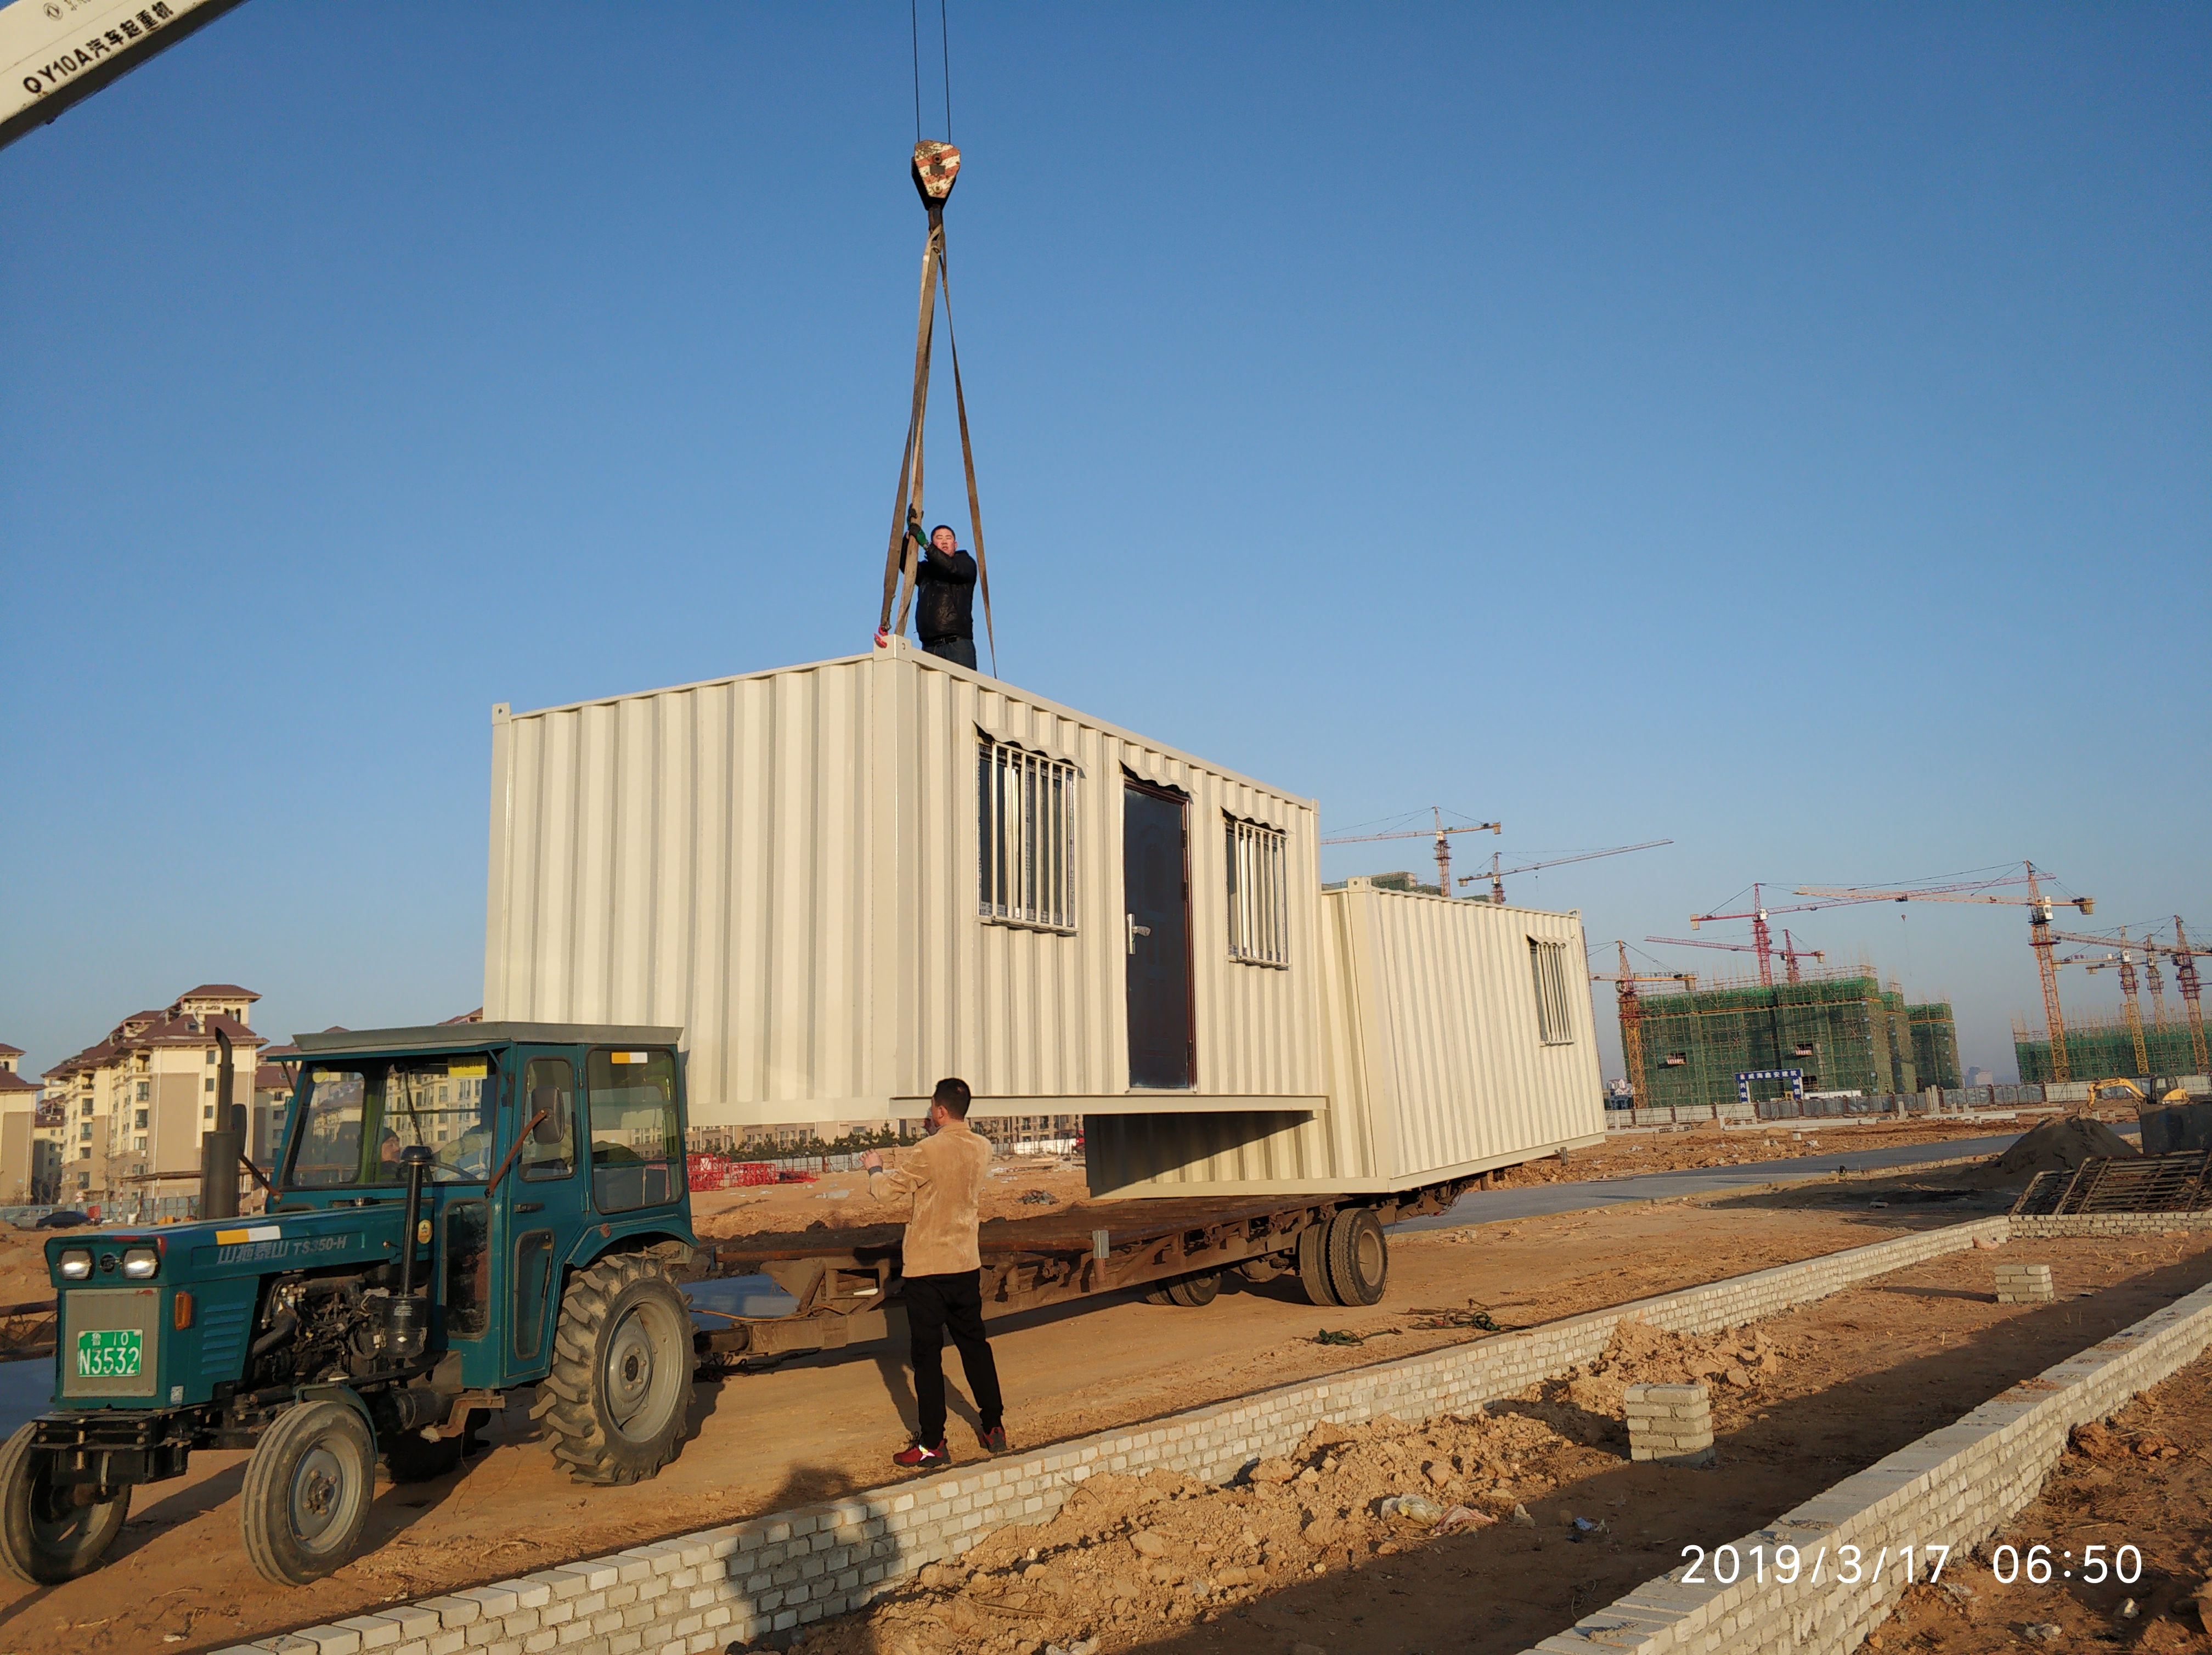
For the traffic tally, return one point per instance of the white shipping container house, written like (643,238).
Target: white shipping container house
(845,881)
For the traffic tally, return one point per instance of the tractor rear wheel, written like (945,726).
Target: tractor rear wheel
(620,1391)
(307,1492)
(46,1536)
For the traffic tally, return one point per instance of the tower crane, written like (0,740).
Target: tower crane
(2040,936)
(2184,976)
(1442,837)
(1631,1011)
(2125,964)
(1496,874)
(1762,939)
(1790,951)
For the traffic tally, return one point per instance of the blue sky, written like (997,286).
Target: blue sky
(1781,431)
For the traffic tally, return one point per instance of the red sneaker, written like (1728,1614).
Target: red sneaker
(993,1440)
(921,1456)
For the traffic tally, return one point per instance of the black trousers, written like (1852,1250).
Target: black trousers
(959,651)
(936,1305)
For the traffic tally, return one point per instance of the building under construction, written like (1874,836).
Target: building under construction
(2103,1046)
(1842,1030)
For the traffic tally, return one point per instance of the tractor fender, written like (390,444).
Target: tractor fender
(653,1235)
(345,1394)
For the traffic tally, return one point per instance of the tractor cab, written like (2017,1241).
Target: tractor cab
(456,1211)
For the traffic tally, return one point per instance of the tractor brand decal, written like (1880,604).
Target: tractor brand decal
(254,1252)
(258,1233)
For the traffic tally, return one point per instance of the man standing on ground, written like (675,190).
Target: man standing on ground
(945,598)
(943,1267)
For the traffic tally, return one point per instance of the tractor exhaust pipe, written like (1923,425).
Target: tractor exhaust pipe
(223,1145)
(407,1314)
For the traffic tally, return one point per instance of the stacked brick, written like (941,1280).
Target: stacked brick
(1672,1424)
(2024,1284)
(702,1592)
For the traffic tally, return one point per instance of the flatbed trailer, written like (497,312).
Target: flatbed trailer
(843,1281)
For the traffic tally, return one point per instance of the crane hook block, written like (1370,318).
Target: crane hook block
(936,166)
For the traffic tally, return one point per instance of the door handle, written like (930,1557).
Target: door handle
(530,1207)
(1136,931)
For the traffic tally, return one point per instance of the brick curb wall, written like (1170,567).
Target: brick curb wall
(701,1591)
(2109,1224)
(1954,1487)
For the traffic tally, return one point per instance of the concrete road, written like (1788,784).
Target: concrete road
(1544,1200)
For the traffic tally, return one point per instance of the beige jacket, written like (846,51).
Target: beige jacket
(944,1176)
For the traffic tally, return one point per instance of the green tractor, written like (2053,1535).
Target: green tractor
(457,1211)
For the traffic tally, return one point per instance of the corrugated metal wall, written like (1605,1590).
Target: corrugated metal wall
(1435,1061)
(786,864)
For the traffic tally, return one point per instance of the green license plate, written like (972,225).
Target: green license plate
(110,1353)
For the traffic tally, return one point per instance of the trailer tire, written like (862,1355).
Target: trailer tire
(308,1492)
(1195,1291)
(1313,1264)
(1358,1256)
(44,1537)
(617,1398)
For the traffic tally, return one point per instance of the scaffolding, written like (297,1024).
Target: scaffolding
(2103,1047)
(1841,1028)
(1934,1042)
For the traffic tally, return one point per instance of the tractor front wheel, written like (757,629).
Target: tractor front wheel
(51,1532)
(620,1391)
(308,1491)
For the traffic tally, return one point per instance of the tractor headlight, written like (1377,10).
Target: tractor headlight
(76,1265)
(139,1262)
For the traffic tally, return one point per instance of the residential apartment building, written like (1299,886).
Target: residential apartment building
(27,1161)
(128,1113)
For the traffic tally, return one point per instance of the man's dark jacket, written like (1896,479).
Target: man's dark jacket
(945,595)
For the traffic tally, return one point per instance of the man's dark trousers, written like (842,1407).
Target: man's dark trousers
(936,1305)
(959,651)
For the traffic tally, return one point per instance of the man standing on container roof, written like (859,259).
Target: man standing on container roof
(945,598)
(943,1267)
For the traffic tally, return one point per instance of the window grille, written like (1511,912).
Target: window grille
(1555,1023)
(1025,838)
(1259,893)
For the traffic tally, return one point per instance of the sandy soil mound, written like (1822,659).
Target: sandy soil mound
(2060,1146)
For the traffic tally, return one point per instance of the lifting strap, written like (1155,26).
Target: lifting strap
(936,166)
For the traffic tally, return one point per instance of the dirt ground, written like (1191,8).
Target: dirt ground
(1307,1555)
(823,1425)
(2141,1478)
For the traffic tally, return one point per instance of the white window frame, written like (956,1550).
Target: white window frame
(1025,838)
(1555,1014)
(1258,888)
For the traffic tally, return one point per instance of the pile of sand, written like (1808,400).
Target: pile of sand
(2060,1146)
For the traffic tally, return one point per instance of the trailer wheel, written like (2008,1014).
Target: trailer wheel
(621,1385)
(307,1492)
(1313,1264)
(1358,1256)
(1195,1291)
(45,1536)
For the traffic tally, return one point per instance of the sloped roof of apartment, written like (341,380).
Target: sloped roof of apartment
(218,991)
(270,1077)
(11,1081)
(285,1052)
(197,1031)
(476,1016)
(6,1050)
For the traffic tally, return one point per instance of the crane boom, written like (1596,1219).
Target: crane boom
(58,53)
(2041,939)
(1496,875)
(1442,837)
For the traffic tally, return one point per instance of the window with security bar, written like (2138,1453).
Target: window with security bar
(1555,1022)
(1025,838)
(1258,894)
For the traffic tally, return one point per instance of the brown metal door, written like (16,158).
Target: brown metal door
(1156,893)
